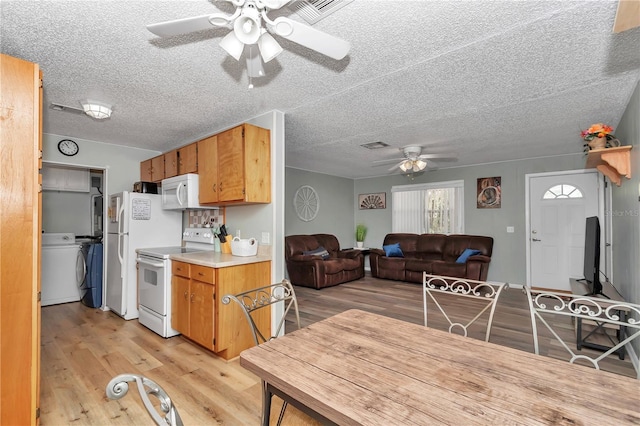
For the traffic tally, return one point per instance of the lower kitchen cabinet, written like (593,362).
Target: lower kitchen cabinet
(197,310)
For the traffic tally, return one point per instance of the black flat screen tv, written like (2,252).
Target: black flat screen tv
(592,256)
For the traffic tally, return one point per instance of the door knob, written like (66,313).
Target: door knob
(535,239)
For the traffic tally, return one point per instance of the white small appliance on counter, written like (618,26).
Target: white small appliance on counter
(182,192)
(154,279)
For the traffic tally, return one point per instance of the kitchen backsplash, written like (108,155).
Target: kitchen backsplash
(198,218)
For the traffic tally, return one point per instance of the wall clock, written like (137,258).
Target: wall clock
(68,147)
(306,203)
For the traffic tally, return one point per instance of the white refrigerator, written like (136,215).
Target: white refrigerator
(135,220)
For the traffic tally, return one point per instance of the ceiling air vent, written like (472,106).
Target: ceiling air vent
(314,10)
(374,145)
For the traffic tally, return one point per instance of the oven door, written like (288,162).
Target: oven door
(153,283)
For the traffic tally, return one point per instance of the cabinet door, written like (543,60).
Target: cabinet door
(180,303)
(157,168)
(188,159)
(257,159)
(145,171)
(208,169)
(201,313)
(171,163)
(231,164)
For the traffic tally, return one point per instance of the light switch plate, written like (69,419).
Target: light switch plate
(265,238)
(510,229)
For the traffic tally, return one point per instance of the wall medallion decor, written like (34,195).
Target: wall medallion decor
(489,193)
(372,201)
(306,203)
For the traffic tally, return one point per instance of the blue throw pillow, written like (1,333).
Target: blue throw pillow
(393,250)
(320,251)
(465,255)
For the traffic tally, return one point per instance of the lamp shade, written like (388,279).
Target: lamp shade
(247,26)
(269,47)
(419,165)
(97,110)
(254,63)
(232,45)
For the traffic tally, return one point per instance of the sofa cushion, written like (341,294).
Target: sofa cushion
(466,254)
(393,250)
(449,269)
(320,251)
(333,266)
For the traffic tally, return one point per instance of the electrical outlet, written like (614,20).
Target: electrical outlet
(510,229)
(265,238)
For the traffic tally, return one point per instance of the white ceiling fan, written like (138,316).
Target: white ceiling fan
(247,29)
(414,161)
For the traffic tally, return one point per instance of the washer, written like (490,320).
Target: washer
(59,268)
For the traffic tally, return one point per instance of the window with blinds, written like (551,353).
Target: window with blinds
(430,208)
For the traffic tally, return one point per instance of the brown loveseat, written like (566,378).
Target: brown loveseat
(434,254)
(311,270)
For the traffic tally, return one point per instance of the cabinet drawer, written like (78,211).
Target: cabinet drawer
(180,268)
(203,273)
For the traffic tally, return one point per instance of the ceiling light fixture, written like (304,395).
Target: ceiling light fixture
(413,165)
(97,110)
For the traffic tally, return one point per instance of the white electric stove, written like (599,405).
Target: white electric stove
(154,278)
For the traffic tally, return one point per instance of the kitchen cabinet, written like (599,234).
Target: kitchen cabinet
(236,166)
(208,160)
(171,163)
(152,170)
(188,159)
(20,227)
(56,178)
(197,310)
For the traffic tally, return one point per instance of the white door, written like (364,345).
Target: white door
(558,207)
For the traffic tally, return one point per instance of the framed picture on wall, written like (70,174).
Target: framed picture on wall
(372,201)
(489,194)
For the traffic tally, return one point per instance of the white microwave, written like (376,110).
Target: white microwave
(182,192)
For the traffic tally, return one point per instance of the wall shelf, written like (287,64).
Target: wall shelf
(611,162)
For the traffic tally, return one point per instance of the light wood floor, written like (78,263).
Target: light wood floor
(83,348)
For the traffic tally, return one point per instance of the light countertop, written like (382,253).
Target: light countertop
(219,260)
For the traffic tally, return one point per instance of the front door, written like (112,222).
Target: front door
(558,207)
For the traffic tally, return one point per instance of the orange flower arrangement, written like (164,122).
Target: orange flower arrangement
(598,130)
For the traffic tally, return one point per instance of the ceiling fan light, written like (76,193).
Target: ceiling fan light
(406,165)
(269,47)
(97,110)
(419,165)
(232,45)
(247,26)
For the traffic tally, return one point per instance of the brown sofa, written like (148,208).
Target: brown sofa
(434,254)
(311,270)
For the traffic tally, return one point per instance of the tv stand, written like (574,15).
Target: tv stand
(580,287)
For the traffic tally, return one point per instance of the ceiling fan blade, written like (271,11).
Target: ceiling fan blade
(388,161)
(309,37)
(440,157)
(181,26)
(395,167)
(627,16)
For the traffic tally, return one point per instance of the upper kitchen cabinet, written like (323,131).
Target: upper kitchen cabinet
(152,170)
(188,159)
(208,176)
(171,163)
(240,163)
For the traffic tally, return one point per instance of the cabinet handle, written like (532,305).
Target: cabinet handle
(214,187)
(192,295)
(185,295)
(201,274)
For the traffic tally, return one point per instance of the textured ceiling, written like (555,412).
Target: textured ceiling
(484,80)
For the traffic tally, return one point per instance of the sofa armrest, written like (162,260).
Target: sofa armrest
(479,258)
(377,251)
(348,253)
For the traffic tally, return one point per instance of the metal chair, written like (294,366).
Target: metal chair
(118,387)
(434,286)
(623,316)
(259,298)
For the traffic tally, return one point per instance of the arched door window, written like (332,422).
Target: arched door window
(562,191)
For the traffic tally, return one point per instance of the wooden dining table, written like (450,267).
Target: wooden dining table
(360,368)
